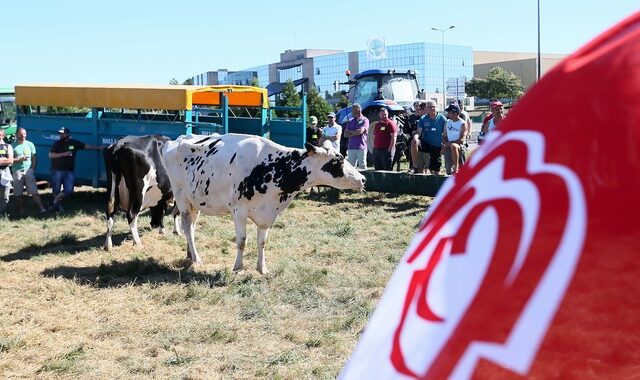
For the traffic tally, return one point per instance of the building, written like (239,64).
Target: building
(322,68)
(524,65)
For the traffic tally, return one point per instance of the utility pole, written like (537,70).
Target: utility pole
(444,90)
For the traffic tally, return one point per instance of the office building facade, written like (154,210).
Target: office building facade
(322,68)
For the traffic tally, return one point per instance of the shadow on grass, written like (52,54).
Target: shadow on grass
(387,201)
(137,272)
(67,243)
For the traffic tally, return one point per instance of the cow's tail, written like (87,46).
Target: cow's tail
(110,162)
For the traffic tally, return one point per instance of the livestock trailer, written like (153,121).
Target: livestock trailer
(100,114)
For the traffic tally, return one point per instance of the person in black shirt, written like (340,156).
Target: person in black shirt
(63,158)
(314,134)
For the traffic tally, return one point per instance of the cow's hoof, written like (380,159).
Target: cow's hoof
(161,231)
(262,270)
(106,247)
(238,268)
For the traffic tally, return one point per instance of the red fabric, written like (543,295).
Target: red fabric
(596,331)
(382,134)
(552,207)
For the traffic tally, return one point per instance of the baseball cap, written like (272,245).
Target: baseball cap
(453,108)
(313,120)
(64,130)
(495,104)
(331,114)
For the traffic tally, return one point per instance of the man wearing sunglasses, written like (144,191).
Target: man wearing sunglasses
(453,140)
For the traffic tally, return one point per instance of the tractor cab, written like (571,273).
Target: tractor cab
(374,89)
(8,114)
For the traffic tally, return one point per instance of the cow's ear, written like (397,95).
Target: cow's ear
(311,150)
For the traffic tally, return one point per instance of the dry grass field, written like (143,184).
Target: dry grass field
(70,310)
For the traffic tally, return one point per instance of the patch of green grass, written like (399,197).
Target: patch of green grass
(178,360)
(218,332)
(252,310)
(64,364)
(11,342)
(283,358)
(248,286)
(343,229)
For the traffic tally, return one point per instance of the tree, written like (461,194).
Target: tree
(499,83)
(342,103)
(289,98)
(254,82)
(173,81)
(317,106)
(188,82)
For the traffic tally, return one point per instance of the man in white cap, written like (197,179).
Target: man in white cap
(63,158)
(332,131)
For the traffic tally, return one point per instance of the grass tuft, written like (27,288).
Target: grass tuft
(178,360)
(9,343)
(64,364)
(343,229)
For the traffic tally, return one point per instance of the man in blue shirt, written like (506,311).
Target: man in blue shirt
(429,139)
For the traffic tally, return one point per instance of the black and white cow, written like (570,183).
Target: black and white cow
(247,177)
(136,180)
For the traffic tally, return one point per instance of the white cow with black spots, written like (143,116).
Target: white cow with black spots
(247,177)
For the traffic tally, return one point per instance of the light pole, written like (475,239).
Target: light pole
(539,62)
(444,91)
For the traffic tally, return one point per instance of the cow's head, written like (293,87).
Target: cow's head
(330,168)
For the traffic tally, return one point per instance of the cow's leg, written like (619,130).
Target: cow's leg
(111,210)
(189,219)
(263,234)
(133,226)
(108,244)
(240,222)
(176,226)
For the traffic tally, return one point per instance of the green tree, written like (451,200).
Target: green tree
(173,81)
(254,82)
(316,105)
(188,82)
(342,103)
(289,98)
(499,83)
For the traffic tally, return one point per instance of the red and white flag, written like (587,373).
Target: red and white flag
(528,263)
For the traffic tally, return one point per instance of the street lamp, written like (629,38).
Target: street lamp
(444,91)
(539,62)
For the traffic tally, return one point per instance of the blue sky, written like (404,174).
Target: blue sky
(150,42)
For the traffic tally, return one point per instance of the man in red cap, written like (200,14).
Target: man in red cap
(492,120)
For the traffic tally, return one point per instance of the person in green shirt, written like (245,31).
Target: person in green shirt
(24,165)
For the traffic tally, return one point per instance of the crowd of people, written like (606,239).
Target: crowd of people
(434,136)
(18,163)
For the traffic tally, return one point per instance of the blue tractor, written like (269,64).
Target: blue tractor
(374,89)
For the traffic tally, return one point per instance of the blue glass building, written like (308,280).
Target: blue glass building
(322,68)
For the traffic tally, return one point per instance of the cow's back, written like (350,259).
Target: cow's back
(210,169)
